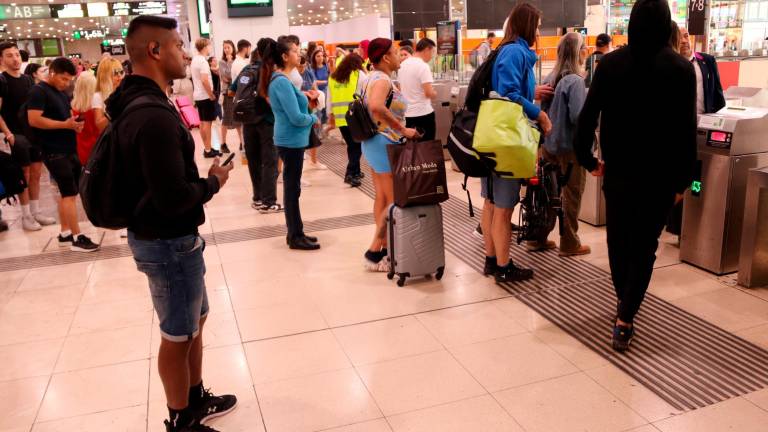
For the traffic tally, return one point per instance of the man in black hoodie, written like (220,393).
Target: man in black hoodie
(645,97)
(161,179)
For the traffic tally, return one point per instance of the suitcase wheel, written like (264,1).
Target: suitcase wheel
(439,274)
(401,281)
(391,275)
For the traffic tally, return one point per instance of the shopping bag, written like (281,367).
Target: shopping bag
(505,136)
(418,171)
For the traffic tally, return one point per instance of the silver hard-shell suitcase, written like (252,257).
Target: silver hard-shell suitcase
(416,245)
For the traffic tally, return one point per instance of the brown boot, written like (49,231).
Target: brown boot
(534,246)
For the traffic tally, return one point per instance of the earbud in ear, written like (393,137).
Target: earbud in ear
(156,50)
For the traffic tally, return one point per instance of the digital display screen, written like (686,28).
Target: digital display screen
(72,10)
(51,48)
(719,136)
(24,11)
(138,8)
(98,9)
(246,8)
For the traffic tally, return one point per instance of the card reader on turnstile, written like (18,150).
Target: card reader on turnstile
(730,143)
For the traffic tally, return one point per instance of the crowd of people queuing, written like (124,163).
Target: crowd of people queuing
(281,99)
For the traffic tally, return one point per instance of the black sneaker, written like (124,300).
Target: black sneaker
(273,208)
(66,241)
(84,244)
(353,181)
(513,273)
(211,154)
(490,266)
(194,427)
(225,149)
(213,406)
(311,239)
(303,243)
(359,175)
(622,337)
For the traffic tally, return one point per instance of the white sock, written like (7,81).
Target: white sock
(66,233)
(25,210)
(34,206)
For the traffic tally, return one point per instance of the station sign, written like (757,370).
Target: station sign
(90,34)
(83,10)
(8,12)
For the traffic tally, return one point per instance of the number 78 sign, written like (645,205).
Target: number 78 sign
(697,15)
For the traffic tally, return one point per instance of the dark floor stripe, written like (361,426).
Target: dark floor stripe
(685,360)
(232,236)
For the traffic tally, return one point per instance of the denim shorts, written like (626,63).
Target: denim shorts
(175,269)
(375,152)
(506,192)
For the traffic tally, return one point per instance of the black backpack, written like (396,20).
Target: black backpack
(462,133)
(101,189)
(248,106)
(12,180)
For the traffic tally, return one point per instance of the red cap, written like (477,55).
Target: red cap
(364,47)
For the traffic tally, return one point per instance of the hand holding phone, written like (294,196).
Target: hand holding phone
(228,160)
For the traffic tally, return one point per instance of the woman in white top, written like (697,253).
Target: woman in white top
(108,76)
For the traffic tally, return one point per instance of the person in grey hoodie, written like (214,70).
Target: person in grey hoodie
(567,78)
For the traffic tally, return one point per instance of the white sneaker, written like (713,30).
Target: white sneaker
(382,266)
(30,224)
(44,220)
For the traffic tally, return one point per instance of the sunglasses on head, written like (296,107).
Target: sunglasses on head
(118,72)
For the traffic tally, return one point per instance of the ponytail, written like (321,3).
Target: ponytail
(272,58)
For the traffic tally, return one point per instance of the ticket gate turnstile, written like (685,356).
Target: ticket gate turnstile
(730,143)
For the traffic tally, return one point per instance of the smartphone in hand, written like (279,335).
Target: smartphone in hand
(228,160)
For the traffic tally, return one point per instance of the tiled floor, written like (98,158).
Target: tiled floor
(311,342)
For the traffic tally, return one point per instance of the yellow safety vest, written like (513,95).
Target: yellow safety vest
(341,96)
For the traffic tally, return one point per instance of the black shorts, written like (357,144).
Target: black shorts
(24,152)
(65,171)
(206,109)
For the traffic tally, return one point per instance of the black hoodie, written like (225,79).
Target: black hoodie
(159,156)
(645,98)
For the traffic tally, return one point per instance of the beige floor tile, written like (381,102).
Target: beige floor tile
(114,269)
(646,428)
(56,276)
(633,394)
(418,382)
(570,348)
(512,361)
(759,398)
(522,314)
(386,340)
(132,419)
(379,425)
(104,348)
(225,371)
(679,281)
(12,279)
(26,360)
(20,400)
(90,391)
(570,403)
(732,415)
(33,327)
(482,414)
(727,308)
(262,291)
(279,320)
(469,324)
(60,300)
(112,316)
(245,418)
(316,402)
(123,289)
(757,335)
(295,356)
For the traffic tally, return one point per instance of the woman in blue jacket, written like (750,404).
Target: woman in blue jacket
(513,78)
(292,127)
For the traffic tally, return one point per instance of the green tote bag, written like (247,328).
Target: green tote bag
(505,136)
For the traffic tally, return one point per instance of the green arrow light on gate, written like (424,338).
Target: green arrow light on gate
(696,188)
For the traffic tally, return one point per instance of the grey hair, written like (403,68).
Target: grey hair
(568,58)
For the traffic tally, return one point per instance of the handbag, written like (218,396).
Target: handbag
(189,114)
(506,137)
(314,140)
(361,125)
(418,171)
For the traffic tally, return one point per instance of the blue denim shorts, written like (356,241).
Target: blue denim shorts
(506,192)
(175,269)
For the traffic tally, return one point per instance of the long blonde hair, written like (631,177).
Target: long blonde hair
(568,62)
(85,87)
(104,76)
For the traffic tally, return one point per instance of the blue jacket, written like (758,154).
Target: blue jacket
(291,108)
(714,99)
(513,76)
(564,111)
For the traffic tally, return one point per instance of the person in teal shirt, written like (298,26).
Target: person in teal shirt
(292,128)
